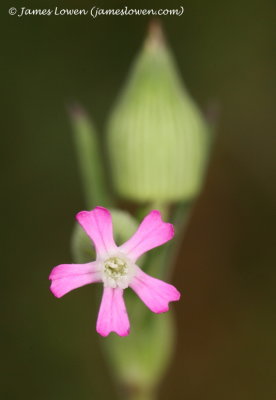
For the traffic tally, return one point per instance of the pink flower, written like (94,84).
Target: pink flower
(116,268)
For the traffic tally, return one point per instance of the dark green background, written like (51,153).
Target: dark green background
(226,270)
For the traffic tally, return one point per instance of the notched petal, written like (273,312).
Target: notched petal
(155,293)
(97,223)
(113,314)
(152,232)
(67,277)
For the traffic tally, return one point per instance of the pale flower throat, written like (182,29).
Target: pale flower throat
(116,272)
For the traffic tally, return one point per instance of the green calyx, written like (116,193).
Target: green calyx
(157,139)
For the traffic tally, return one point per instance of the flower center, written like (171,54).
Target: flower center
(116,273)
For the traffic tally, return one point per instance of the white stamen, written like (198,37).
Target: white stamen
(117,272)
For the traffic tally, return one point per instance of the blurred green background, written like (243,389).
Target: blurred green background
(226,270)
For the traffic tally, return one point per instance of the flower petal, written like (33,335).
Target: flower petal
(151,233)
(112,314)
(66,277)
(155,293)
(98,226)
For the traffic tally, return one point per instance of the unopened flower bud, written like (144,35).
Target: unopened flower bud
(157,139)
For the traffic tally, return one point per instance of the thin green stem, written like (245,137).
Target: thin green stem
(90,160)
